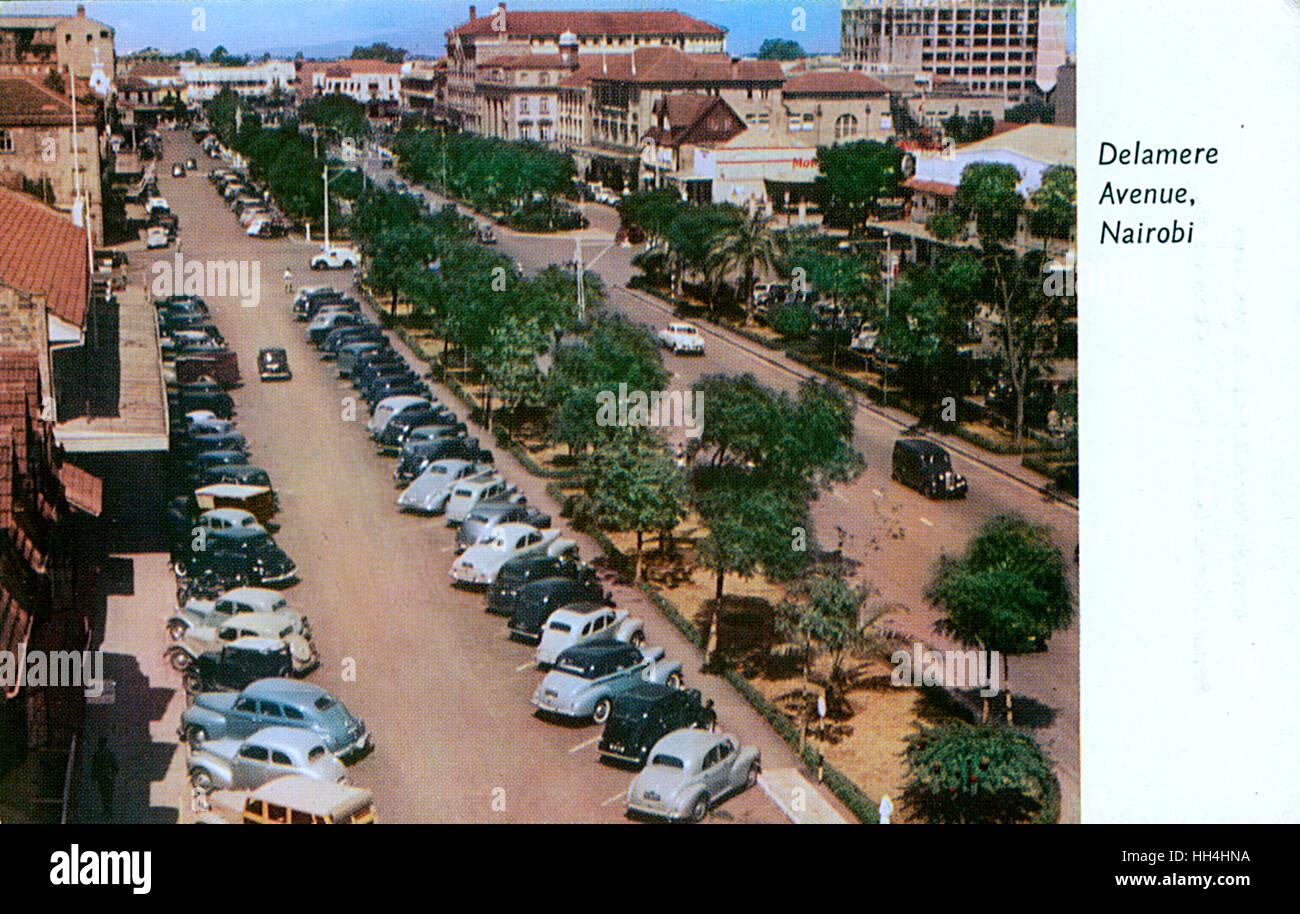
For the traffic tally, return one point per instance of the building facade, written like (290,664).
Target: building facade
(203,82)
(67,44)
(999,47)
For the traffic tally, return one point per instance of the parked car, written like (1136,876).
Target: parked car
(418,456)
(479,564)
(394,434)
(506,593)
(646,714)
(586,679)
(270,703)
(156,204)
(326,321)
(488,515)
(204,440)
(537,600)
(236,474)
(429,492)
(925,466)
(302,651)
(468,494)
(218,402)
(682,339)
(251,552)
(585,623)
(196,465)
(190,164)
(156,236)
(336,258)
(273,365)
(266,755)
(689,772)
(407,386)
(389,407)
(268,228)
(292,800)
(233,666)
(240,601)
(350,352)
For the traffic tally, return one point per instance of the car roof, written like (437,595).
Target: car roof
(516,529)
(272,349)
(596,650)
(259,644)
(282,689)
(689,742)
(290,737)
(295,791)
(252,595)
(647,693)
(230,490)
(544,585)
(920,446)
(576,612)
(230,514)
(268,624)
(490,509)
(399,401)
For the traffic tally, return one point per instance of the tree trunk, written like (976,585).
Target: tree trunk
(1006,689)
(636,573)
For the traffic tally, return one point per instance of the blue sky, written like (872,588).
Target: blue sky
(331,27)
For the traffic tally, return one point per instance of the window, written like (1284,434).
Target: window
(246,705)
(301,818)
(279,758)
(269,709)
(254,753)
(846,125)
(6,141)
(292,713)
(275,813)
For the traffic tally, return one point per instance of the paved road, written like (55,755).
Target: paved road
(895,533)
(444,692)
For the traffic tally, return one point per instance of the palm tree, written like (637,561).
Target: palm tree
(744,248)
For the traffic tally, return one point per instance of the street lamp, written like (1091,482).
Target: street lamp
(889,283)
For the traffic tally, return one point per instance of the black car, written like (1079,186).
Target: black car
(536,601)
(404,387)
(647,713)
(366,365)
(362,332)
(196,466)
(207,439)
(925,466)
(400,426)
(273,365)
(233,667)
(343,319)
(523,570)
(417,458)
(236,474)
(246,550)
(217,402)
(388,377)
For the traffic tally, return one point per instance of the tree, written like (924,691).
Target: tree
(379,51)
(509,363)
(691,237)
(1054,203)
(988,194)
(855,175)
(745,247)
(1008,592)
(1030,111)
(781,49)
(337,112)
(964,774)
(634,485)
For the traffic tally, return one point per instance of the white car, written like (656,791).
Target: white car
(225,519)
(470,493)
(389,407)
(155,237)
(232,604)
(336,259)
(682,338)
(156,205)
(480,563)
(272,625)
(569,627)
(428,492)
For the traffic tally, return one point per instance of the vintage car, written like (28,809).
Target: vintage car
(586,679)
(156,236)
(418,456)
(325,322)
(392,406)
(266,755)
(239,474)
(445,426)
(394,434)
(682,339)
(648,713)
(487,516)
(197,641)
(256,500)
(504,595)
(193,535)
(232,604)
(196,465)
(233,666)
(429,492)
(250,550)
(291,800)
(925,466)
(690,771)
(479,564)
(408,385)
(336,258)
(538,599)
(585,623)
(351,352)
(273,703)
(468,494)
(273,365)
(203,439)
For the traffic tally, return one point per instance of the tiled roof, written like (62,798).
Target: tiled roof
(930,187)
(524,62)
(43,253)
(82,490)
(23,102)
(592,22)
(669,65)
(155,68)
(348,66)
(834,82)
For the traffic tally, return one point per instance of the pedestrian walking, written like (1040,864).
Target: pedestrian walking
(103,771)
(288,281)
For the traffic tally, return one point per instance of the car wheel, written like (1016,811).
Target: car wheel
(674,681)
(710,723)
(637,639)
(180,570)
(201,781)
(179,660)
(190,680)
(600,713)
(700,809)
(176,629)
(195,735)
(751,777)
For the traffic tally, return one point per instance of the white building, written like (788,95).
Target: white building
(204,81)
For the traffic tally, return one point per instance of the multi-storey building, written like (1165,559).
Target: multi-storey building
(37,137)
(377,84)
(587,32)
(424,90)
(1001,47)
(825,107)
(68,44)
(203,82)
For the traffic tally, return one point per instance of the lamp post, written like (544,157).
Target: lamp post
(889,283)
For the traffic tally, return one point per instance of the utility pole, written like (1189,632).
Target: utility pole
(325,174)
(889,284)
(582,292)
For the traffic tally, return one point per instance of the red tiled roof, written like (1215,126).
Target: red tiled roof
(43,253)
(83,490)
(525,62)
(669,65)
(155,69)
(24,102)
(349,66)
(930,187)
(591,22)
(834,82)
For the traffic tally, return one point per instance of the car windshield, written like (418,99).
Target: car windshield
(324,703)
(667,761)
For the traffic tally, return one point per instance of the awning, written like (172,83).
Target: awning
(83,491)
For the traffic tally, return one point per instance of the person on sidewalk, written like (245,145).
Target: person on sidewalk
(103,771)
(288,281)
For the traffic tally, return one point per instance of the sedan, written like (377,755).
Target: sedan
(586,679)
(429,492)
(273,365)
(690,771)
(270,703)
(268,754)
(479,564)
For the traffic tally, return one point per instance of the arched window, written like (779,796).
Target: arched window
(846,125)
